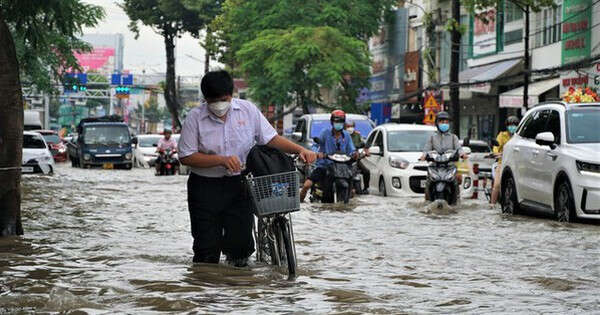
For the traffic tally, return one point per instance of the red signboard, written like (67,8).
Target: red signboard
(100,59)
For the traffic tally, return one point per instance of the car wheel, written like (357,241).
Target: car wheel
(565,204)
(382,190)
(510,204)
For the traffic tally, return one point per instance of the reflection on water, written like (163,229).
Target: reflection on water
(104,241)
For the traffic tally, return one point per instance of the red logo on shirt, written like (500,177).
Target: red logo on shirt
(241,122)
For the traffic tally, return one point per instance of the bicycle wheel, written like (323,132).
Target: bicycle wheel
(286,238)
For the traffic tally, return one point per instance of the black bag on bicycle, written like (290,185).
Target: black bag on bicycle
(263,160)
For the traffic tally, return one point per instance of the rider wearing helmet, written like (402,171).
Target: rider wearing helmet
(443,140)
(332,140)
(511,127)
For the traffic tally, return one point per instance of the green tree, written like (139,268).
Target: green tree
(244,22)
(36,42)
(293,65)
(170,19)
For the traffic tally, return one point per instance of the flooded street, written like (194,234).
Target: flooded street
(104,241)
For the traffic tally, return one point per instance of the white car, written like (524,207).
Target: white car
(146,147)
(479,150)
(394,166)
(552,163)
(36,154)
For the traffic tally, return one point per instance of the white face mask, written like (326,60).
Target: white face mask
(219,108)
(350,130)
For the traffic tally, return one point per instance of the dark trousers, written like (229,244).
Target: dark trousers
(221,218)
(366,174)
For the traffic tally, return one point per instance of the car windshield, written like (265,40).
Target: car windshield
(363,126)
(51,138)
(582,124)
(408,141)
(106,135)
(33,142)
(147,142)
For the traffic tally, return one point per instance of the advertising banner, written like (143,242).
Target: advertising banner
(100,59)
(411,72)
(576,35)
(484,33)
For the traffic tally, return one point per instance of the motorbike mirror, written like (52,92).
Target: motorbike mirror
(495,143)
(134,140)
(317,140)
(466,141)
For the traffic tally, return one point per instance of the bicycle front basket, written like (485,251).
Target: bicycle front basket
(277,193)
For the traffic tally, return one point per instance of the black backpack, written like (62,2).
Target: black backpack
(263,160)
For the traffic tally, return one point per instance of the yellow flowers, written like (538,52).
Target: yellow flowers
(579,95)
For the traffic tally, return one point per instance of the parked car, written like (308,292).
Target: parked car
(479,150)
(394,163)
(57,145)
(102,141)
(552,163)
(311,125)
(36,154)
(146,145)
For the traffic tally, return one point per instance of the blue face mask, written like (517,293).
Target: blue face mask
(338,126)
(444,127)
(511,129)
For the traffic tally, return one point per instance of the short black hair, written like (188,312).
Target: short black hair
(217,84)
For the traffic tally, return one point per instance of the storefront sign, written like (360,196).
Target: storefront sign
(516,101)
(484,33)
(480,88)
(587,77)
(411,72)
(576,35)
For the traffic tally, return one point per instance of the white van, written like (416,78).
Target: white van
(31,120)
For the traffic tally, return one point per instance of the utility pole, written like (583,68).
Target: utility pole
(454,66)
(526,61)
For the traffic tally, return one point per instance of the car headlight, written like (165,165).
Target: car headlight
(87,156)
(128,156)
(587,167)
(398,162)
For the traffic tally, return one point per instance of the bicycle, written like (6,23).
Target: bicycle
(274,197)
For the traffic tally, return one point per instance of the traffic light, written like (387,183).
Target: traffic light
(122,91)
(83,88)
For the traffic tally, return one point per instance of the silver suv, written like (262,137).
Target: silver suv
(552,163)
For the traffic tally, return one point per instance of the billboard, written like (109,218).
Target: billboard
(100,59)
(484,33)
(576,34)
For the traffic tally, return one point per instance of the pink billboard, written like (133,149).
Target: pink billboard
(100,59)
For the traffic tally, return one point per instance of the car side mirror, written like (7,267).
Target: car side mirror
(375,150)
(545,138)
(297,136)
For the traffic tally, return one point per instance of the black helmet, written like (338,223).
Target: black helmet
(442,115)
(512,120)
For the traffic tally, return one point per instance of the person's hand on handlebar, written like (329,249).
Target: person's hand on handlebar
(307,156)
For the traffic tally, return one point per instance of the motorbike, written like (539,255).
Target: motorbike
(441,176)
(168,163)
(337,185)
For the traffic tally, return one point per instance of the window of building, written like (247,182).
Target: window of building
(512,37)
(512,12)
(549,26)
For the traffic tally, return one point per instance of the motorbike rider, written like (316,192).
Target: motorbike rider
(503,136)
(441,141)
(332,140)
(358,142)
(164,143)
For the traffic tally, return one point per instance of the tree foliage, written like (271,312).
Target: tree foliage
(170,19)
(288,49)
(287,65)
(45,34)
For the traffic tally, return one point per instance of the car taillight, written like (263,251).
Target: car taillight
(168,166)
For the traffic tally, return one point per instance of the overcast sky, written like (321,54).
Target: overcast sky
(148,51)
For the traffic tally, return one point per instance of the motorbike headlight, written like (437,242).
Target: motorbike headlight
(128,156)
(398,163)
(450,176)
(87,156)
(587,167)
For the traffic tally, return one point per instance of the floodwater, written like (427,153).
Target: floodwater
(109,241)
